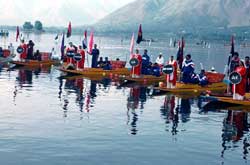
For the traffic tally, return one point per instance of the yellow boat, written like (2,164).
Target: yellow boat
(35,63)
(182,88)
(97,72)
(232,101)
(144,79)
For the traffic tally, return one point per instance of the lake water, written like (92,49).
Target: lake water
(47,119)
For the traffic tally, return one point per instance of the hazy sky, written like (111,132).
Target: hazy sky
(57,12)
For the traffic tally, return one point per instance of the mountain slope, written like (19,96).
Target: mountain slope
(178,14)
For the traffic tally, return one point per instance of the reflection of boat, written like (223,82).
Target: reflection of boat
(35,63)
(97,72)
(232,101)
(194,88)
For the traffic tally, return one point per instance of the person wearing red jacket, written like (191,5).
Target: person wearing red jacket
(73,49)
(240,89)
(23,55)
(172,78)
(136,70)
(82,61)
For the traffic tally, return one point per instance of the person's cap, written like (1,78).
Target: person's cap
(160,53)
(212,68)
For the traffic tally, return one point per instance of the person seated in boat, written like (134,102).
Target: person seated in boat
(172,78)
(1,52)
(117,59)
(203,81)
(156,70)
(160,60)
(100,63)
(240,89)
(187,69)
(38,56)
(247,64)
(234,62)
(30,51)
(136,70)
(145,62)
(106,64)
(212,70)
(82,61)
(194,78)
(23,55)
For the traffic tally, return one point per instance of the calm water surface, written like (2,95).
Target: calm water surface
(47,119)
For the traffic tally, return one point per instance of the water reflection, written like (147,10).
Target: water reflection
(235,125)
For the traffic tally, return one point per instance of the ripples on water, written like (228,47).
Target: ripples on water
(47,118)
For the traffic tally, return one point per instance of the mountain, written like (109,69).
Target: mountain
(163,15)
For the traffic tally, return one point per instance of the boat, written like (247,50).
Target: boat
(35,63)
(143,79)
(6,56)
(182,88)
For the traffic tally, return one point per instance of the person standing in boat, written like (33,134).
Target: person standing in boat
(160,60)
(136,70)
(247,64)
(24,46)
(82,53)
(145,62)
(73,49)
(240,89)
(187,69)
(95,55)
(30,50)
(172,78)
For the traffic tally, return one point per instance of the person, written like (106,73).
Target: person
(203,81)
(156,70)
(212,70)
(160,60)
(107,64)
(136,70)
(24,46)
(100,63)
(95,55)
(82,61)
(240,89)
(72,49)
(30,50)
(247,64)
(11,49)
(37,56)
(172,78)
(145,62)
(187,69)
(54,55)
(234,62)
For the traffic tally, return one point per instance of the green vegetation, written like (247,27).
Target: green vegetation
(38,26)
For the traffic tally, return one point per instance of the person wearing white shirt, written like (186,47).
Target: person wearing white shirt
(160,60)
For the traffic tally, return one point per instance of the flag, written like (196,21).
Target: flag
(62,47)
(69,30)
(91,42)
(139,38)
(84,41)
(180,53)
(232,46)
(132,44)
(17,33)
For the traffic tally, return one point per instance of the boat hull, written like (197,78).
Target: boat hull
(35,63)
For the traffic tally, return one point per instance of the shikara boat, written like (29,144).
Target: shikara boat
(182,88)
(35,63)
(144,79)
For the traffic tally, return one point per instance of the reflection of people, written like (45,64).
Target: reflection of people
(185,110)
(24,76)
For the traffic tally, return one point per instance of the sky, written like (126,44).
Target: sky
(57,12)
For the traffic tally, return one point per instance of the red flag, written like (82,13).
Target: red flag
(17,33)
(69,30)
(132,44)
(91,42)
(139,38)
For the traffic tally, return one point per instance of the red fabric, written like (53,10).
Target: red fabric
(6,53)
(117,64)
(137,70)
(25,48)
(241,87)
(70,59)
(45,56)
(81,62)
(175,66)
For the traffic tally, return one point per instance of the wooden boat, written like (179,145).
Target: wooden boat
(144,79)
(6,56)
(232,101)
(35,63)
(182,88)
(97,72)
